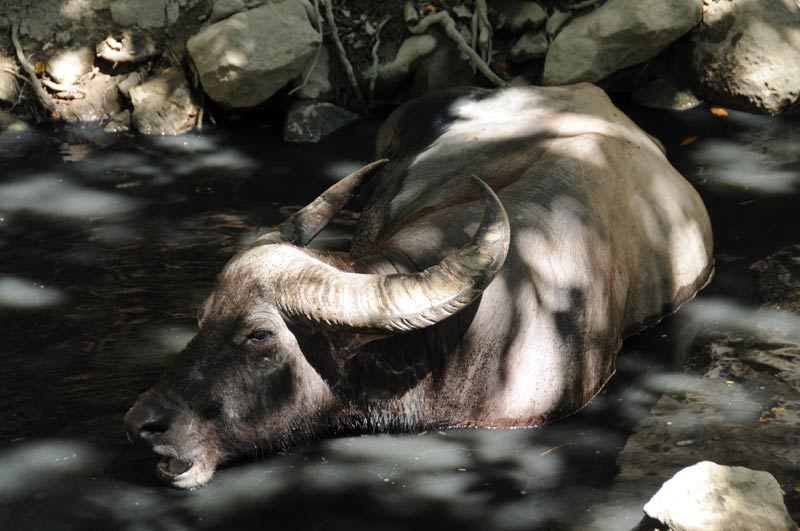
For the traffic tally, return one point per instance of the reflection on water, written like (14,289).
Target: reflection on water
(107,249)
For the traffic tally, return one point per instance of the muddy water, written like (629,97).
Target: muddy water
(107,247)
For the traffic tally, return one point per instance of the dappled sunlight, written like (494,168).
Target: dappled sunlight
(729,315)
(29,468)
(726,163)
(50,195)
(21,293)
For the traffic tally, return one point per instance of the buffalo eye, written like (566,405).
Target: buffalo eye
(259,335)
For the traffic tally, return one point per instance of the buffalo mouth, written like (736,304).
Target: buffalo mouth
(182,472)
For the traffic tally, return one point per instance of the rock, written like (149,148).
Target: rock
(519,15)
(120,123)
(310,121)
(665,94)
(316,84)
(9,86)
(408,57)
(712,497)
(100,102)
(779,280)
(141,13)
(66,66)
(224,8)
(528,47)
(444,68)
(126,83)
(128,47)
(746,55)
(247,58)
(618,34)
(16,136)
(164,104)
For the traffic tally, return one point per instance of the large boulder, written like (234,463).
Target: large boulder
(248,57)
(712,497)
(746,54)
(618,34)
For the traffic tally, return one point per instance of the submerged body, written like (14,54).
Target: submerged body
(437,316)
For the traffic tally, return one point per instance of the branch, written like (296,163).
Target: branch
(44,98)
(373,75)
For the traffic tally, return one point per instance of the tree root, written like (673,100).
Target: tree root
(373,75)
(449,26)
(348,67)
(44,98)
(318,17)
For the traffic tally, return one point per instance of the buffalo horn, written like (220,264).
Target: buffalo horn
(301,227)
(314,291)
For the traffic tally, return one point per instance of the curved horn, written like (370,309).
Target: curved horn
(301,227)
(315,291)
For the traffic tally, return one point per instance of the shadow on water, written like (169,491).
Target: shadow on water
(106,251)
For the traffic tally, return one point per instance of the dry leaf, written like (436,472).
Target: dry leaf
(719,111)
(39,67)
(430,8)
(688,140)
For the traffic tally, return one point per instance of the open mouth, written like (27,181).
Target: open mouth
(180,472)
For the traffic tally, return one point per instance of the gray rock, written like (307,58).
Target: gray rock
(444,68)
(224,8)
(164,104)
(528,47)
(409,55)
(665,94)
(142,13)
(311,121)
(519,15)
(16,136)
(245,59)
(120,123)
(316,83)
(66,66)
(9,86)
(101,101)
(746,55)
(712,497)
(618,34)
(126,83)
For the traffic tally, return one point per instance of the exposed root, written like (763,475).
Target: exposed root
(348,67)
(449,26)
(484,30)
(44,98)
(373,75)
(58,87)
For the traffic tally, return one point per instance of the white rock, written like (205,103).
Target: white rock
(747,54)
(317,81)
(68,65)
(245,59)
(529,46)
(712,497)
(311,121)
(617,34)
(142,13)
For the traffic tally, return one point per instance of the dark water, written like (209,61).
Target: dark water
(106,249)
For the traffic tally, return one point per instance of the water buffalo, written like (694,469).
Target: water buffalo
(455,305)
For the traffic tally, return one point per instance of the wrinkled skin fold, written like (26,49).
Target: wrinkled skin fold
(509,240)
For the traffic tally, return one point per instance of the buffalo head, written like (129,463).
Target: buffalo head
(244,384)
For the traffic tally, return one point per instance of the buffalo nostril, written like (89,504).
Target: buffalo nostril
(152,429)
